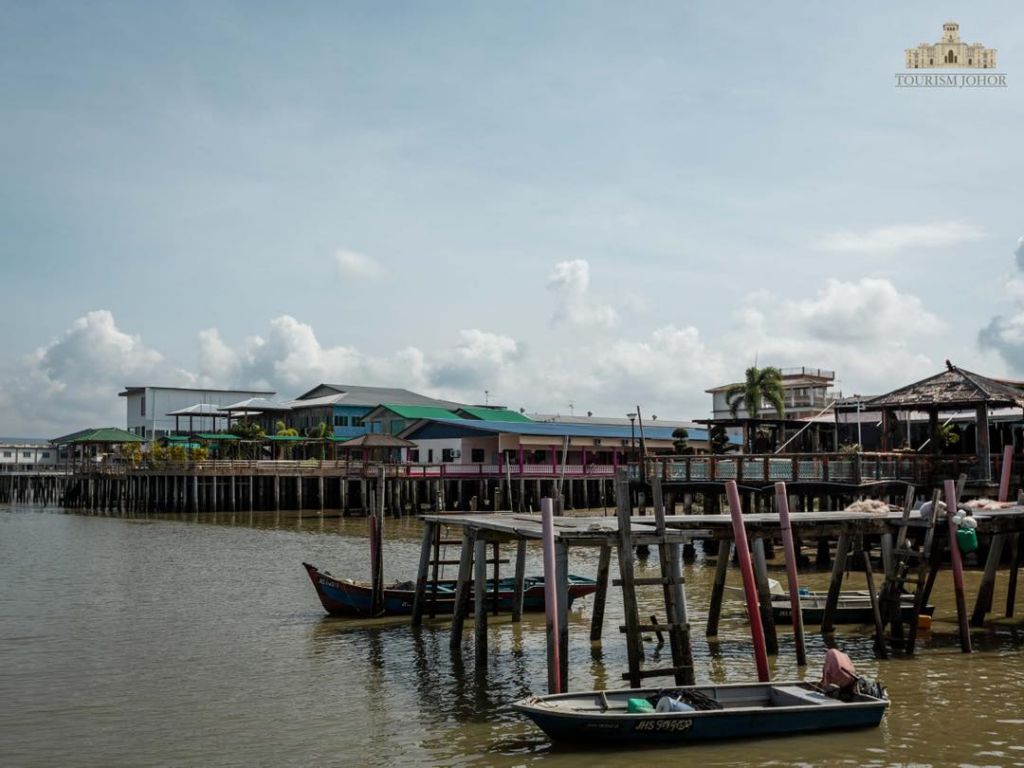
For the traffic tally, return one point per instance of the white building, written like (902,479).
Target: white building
(27,455)
(147,407)
(807,393)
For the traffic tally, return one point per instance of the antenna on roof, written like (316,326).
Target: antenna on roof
(571,404)
(487,397)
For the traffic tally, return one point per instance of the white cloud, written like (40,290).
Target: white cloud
(888,240)
(868,331)
(866,310)
(1005,333)
(73,381)
(570,281)
(357,266)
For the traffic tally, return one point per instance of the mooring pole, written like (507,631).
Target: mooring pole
(551,595)
(782,504)
(739,531)
(958,567)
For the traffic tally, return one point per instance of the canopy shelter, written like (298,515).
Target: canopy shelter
(953,390)
(202,411)
(78,444)
(378,447)
(771,435)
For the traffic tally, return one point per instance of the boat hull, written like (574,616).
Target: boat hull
(344,597)
(623,728)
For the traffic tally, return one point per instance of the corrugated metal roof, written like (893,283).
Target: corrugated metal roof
(556,429)
(492,414)
(257,404)
(373,396)
(420,412)
(199,409)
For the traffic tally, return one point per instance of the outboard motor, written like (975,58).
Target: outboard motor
(839,679)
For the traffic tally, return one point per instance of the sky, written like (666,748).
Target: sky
(548,205)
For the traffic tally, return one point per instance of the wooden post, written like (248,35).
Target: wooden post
(764,597)
(562,572)
(984,454)
(789,545)
(551,596)
(1006,470)
(634,643)
(461,607)
(880,646)
(828,619)
(420,598)
(983,603)
(520,581)
(1011,585)
(480,603)
(958,565)
(601,596)
(718,586)
(747,571)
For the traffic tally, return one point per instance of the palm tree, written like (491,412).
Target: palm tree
(760,385)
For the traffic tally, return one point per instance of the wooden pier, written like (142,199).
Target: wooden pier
(860,538)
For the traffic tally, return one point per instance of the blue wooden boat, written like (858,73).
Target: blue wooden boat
(723,712)
(346,597)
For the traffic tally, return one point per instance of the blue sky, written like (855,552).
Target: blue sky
(589,202)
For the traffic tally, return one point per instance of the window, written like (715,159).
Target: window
(477,455)
(26,454)
(142,405)
(341,421)
(447,455)
(397,425)
(45,455)
(7,454)
(430,455)
(357,421)
(414,455)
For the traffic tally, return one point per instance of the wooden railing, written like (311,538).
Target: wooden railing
(750,469)
(842,468)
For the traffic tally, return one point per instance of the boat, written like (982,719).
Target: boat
(347,597)
(852,607)
(718,712)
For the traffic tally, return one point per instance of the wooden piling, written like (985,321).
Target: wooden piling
(551,608)
(461,607)
(749,588)
(519,581)
(789,546)
(480,603)
(718,586)
(958,567)
(828,619)
(419,598)
(604,559)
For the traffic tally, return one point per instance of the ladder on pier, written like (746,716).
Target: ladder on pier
(439,559)
(914,562)
(672,583)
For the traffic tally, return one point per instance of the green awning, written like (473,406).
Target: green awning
(110,435)
(215,436)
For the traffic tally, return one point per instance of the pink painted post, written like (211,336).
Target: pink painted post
(1006,471)
(958,568)
(739,532)
(547,512)
(782,504)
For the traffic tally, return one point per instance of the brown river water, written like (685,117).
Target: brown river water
(184,640)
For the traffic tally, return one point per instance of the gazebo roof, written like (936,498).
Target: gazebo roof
(953,388)
(110,435)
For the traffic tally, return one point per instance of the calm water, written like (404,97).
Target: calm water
(185,641)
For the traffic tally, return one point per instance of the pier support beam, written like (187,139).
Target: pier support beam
(480,603)
(461,607)
(604,560)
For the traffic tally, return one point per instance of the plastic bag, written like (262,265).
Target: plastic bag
(639,705)
(966,539)
(668,704)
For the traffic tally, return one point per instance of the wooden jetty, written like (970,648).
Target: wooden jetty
(816,481)
(855,534)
